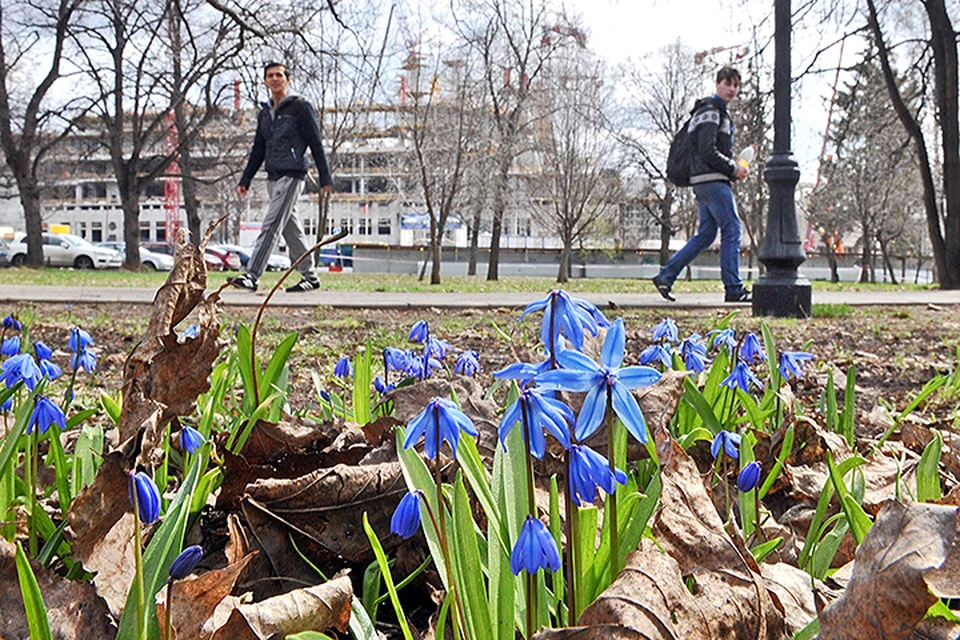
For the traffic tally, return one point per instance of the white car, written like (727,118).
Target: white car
(150,260)
(66,250)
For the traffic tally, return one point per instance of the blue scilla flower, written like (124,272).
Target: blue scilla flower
(694,353)
(381,386)
(589,470)
(184,563)
(7,405)
(419,332)
(567,316)
(343,368)
(394,359)
(21,367)
(741,378)
(79,340)
(49,370)
(436,348)
(12,323)
(724,337)
(665,331)
(749,476)
(191,332)
(728,442)
(593,311)
(421,367)
(523,372)
(535,549)
(42,350)
(148,496)
(440,415)
(791,363)
(10,346)
(659,353)
(468,363)
(542,412)
(191,440)
(325,395)
(45,413)
(406,518)
(750,349)
(580,373)
(86,360)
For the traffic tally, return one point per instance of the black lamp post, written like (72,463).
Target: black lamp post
(782,291)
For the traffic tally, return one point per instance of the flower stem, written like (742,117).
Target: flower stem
(553,347)
(32,483)
(166,628)
(756,514)
(612,498)
(726,490)
(532,510)
(569,525)
(138,565)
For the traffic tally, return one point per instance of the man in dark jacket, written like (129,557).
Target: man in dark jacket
(713,167)
(286,127)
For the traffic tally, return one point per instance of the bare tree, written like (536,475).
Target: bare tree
(26,113)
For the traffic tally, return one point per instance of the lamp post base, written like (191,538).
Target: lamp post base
(783,295)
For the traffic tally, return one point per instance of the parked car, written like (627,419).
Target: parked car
(230,260)
(148,259)
(66,250)
(276,262)
(214,262)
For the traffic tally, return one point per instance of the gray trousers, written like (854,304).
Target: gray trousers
(281,218)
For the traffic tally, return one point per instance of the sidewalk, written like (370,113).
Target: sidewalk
(12,294)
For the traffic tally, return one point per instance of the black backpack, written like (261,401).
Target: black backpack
(680,158)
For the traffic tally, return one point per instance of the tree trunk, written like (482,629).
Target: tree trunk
(32,212)
(436,255)
(563,270)
(130,201)
(666,225)
(885,255)
(475,238)
(499,205)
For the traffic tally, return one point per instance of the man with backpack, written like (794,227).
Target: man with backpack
(286,127)
(702,157)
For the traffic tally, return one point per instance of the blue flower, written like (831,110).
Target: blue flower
(21,367)
(580,373)
(343,368)
(394,359)
(589,470)
(568,316)
(542,413)
(49,370)
(191,440)
(79,340)
(665,330)
(12,323)
(436,348)
(522,372)
(184,563)
(724,337)
(444,414)
(45,413)
(325,395)
(406,518)
(729,442)
(535,549)
(419,332)
(694,353)
(749,476)
(86,360)
(657,354)
(419,367)
(192,331)
(791,363)
(10,346)
(148,496)
(7,405)
(751,350)
(381,386)
(741,378)
(468,363)
(42,350)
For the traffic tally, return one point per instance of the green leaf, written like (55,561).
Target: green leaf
(831,410)
(928,471)
(256,417)
(770,347)
(747,499)
(418,476)
(271,375)
(465,556)
(387,578)
(244,355)
(111,407)
(702,406)
(58,459)
(361,385)
(32,598)
(809,632)
(823,503)
(761,551)
(857,518)
(940,610)
(309,635)
(785,450)
(849,406)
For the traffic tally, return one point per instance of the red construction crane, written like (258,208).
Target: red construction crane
(171,181)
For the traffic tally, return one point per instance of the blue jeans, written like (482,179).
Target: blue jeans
(717,211)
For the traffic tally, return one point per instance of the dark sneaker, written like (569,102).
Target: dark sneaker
(304,285)
(738,296)
(663,288)
(243,281)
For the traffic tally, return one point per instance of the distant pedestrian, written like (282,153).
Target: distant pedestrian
(286,127)
(713,167)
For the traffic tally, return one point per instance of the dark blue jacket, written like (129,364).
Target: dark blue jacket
(281,142)
(713,158)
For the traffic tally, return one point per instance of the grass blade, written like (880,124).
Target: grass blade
(32,598)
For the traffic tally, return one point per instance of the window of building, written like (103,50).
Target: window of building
(144,231)
(383,226)
(94,190)
(378,185)
(346,224)
(364,227)
(342,185)
(377,162)
(82,230)
(523,226)
(161,231)
(96,232)
(154,189)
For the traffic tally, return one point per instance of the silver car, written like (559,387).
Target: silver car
(66,250)
(150,260)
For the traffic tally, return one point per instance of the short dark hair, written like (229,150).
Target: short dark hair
(270,65)
(728,73)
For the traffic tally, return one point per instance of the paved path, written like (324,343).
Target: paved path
(377,300)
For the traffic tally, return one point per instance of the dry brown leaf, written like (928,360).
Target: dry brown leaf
(316,608)
(73,608)
(99,505)
(910,551)
(792,587)
(196,598)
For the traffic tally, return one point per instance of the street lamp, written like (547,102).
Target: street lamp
(782,291)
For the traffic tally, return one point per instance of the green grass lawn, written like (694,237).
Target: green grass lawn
(397,283)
